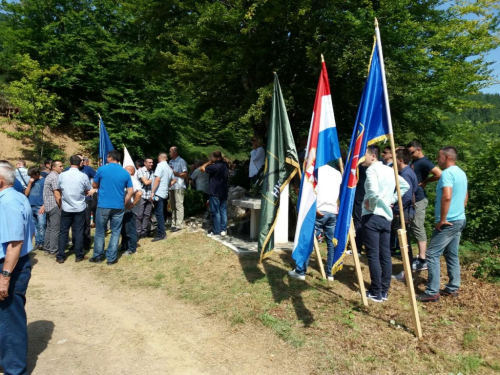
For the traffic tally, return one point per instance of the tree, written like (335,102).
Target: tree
(37,106)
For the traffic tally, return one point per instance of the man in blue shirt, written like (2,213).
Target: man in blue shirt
(449,212)
(34,192)
(74,187)
(115,190)
(16,234)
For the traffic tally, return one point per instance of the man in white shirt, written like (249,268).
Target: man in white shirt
(177,190)
(257,158)
(129,232)
(328,188)
(376,219)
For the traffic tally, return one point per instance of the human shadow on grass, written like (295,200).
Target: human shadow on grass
(39,335)
(280,290)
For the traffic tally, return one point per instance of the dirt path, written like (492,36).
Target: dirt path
(78,325)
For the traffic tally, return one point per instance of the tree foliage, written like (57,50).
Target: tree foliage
(199,73)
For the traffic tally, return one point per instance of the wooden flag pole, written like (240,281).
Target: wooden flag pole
(402,231)
(318,255)
(355,254)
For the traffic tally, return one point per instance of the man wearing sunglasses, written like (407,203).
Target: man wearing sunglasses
(422,167)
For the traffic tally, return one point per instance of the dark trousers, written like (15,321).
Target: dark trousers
(376,235)
(13,326)
(129,233)
(77,221)
(358,225)
(86,231)
(160,219)
(143,217)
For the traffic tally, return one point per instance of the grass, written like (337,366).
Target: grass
(324,321)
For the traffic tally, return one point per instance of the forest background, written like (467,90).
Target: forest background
(198,74)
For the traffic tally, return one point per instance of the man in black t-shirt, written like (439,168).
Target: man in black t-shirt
(218,172)
(422,167)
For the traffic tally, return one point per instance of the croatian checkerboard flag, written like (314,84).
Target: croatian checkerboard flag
(322,147)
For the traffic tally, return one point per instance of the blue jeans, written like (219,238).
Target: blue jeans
(40,223)
(327,224)
(218,209)
(376,235)
(13,325)
(129,232)
(445,242)
(115,217)
(160,219)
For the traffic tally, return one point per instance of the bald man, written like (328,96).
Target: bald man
(129,232)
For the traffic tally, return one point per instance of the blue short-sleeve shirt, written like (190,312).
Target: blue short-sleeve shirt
(16,221)
(36,192)
(113,179)
(73,185)
(455,178)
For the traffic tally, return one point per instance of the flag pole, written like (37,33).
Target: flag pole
(402,231)
(357,264)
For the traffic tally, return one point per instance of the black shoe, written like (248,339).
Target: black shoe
(447,293)
(60,261)
(113,262)
(77,260)
(159,238)
(424,297)
(175,229)
(96,260)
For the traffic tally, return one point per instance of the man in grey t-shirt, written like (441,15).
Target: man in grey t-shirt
(74,186)
(163,179)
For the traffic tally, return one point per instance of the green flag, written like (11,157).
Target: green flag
(281,165)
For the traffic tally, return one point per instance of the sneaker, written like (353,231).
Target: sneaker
(400,276)
(421,265)
(320,238)
(424,297)
(294,275)
(96,260)
(212,235)
(374,297)
(159,238)
(330,278)
(128,252)
(414,263)
(223,233)
(447,293)
(348,252)
(385,296)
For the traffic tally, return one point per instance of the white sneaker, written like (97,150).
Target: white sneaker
(223,233)
(400,276)
(330,278)
(295,275)
(348,252)
(211,234)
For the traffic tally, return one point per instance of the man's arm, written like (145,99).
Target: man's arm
(145,181)
(466,199)
(404,186)
(57,197)
(445,207)
(11,258)
(180,174)
(95,185)
(202,168)
(155,186)
(137,197)
(128,196)
(28,187)
(372,190)
(436,175)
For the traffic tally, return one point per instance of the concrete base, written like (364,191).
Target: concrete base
(243,245)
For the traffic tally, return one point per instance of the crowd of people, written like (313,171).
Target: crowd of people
(377,216)
(43,203)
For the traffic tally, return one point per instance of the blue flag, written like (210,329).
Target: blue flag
(105,144)
(371,126)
